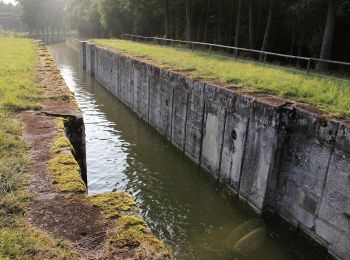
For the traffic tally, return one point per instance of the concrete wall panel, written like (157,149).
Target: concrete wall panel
(216,102)
(195,118)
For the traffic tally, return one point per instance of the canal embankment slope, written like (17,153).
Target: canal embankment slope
(44,208)
(277,154)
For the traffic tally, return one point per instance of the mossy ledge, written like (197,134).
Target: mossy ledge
(63,165)
(128,230)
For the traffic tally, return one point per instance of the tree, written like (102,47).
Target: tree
(251,25)
(188,20)
(328,34)
(43,17)
(84,17)
(267,30)
(238,23)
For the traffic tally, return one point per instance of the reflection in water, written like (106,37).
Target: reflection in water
(184,206)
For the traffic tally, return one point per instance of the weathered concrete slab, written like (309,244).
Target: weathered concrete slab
(195,118)
(260,153)
(90,59)
(235,138)
(160,101)
(216,102)
(141,82)
(181,96)
(83,55)
(333,218)
(305,163)
(115,75)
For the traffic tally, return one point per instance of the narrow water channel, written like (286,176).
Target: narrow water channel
(196,216)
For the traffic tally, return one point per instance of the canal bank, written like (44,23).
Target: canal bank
(188,209)
(44,209)
(275,154)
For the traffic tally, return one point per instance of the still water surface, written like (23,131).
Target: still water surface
(196,216)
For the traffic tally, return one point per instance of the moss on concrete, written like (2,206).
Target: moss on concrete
(63,165)
(128,229)
(113,203)
(131,231)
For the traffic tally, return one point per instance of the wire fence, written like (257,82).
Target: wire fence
(263,55)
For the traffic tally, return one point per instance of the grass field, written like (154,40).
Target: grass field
(18,239)
(330,95)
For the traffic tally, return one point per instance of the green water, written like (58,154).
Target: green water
(194,214)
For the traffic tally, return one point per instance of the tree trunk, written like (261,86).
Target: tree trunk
(238,23)
(188,21)
(230,26)
(166,19)
(258,25)
(291,50)
(205,39)
(267,30)
(199,27)
(251,25)
(300,48)
(220,22)
(327,42)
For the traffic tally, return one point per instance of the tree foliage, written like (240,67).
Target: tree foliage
(43,16)
(298,27)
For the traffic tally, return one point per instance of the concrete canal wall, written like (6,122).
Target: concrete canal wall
(275,154)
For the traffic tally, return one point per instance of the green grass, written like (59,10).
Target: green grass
(18,239)
(329,95)
(17,69)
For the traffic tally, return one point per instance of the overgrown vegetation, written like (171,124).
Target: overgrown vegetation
(330,95)
(18,239)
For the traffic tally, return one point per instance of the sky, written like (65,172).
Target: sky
(8,1)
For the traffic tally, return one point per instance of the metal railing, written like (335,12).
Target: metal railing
(265,54)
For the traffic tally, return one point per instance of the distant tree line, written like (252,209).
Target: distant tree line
(43,16)
(10,17)
(317,28)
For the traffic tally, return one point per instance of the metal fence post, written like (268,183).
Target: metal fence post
(265,57)
(210,50)
(308,66)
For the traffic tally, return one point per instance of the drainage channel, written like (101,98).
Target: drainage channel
(194,214)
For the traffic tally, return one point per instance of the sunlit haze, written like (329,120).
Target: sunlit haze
(8,1)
